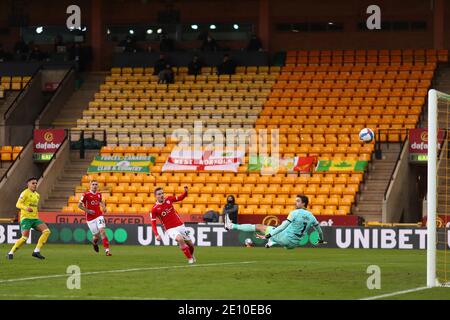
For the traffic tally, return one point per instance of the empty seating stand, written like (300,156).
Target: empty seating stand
(318,102)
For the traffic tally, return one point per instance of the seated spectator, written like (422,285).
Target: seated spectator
(231,209)
(195,66)
(75,54)
(228,66)
(130,45)
(4,56)
(36,54)
(166,75)
(211,216)
(166,44)
(209,44)
(21,49)
(254,44)
(58,42)
(159,64)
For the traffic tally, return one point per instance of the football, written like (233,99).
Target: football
(366,135)
(248,242)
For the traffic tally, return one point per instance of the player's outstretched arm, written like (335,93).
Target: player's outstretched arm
(181,196)
(278,229)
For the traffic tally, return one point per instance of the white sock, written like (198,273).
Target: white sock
(37,250)
(107,250)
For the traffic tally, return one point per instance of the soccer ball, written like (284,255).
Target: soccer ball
(366,135)
(248,242)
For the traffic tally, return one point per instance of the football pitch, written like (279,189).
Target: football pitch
(135,272)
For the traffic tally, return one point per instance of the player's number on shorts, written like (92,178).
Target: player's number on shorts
(101,221)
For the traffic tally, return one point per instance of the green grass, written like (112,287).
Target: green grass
(273,273)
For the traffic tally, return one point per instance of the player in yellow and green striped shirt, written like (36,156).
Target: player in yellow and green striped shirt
(28,204)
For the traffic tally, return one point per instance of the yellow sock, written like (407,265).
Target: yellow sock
(18,244)
(43,239)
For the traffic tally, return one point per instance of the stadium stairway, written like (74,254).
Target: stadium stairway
(442,83)
(5,103)
(3,169)
(73,109)
(370,200)
(67,181)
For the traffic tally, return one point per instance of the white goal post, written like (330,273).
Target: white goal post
(431,187)
(434,238)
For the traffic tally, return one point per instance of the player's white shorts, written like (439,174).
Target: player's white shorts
(96,224)
(180,230)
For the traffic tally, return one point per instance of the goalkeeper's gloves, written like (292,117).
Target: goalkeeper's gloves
(268,236)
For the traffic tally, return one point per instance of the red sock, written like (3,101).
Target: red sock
(105,243)
(186,251)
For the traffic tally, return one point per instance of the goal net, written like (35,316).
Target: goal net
(438,197)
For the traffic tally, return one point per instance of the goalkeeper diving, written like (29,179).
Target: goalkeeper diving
(289,233)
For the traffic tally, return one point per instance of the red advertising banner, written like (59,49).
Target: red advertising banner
(47,142)
(418,140)
(442,221)
(62,217)
(305,164)
(114,218)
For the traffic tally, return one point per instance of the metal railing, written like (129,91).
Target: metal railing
(21,93)
(54,97)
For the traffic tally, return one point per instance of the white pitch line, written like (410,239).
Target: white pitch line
(395,293)
(46,296)
(126,270)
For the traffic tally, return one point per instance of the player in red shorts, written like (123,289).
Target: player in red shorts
(90,203)
(164,210)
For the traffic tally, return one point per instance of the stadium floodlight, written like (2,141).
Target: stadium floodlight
(159,31)
(194,26)
(212,27)
(131,31)
(438,195)
(39,30)
(149,31)
(235,26)
(108,31)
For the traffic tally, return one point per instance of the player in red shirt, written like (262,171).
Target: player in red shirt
(164,210)
(90,203)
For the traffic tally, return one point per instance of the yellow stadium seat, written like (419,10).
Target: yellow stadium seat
(246,211)
(6,157)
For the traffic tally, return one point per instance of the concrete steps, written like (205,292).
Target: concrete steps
(2,171)
(79,100)
(68,180)
(370,198)
(7,101)
(442,83)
